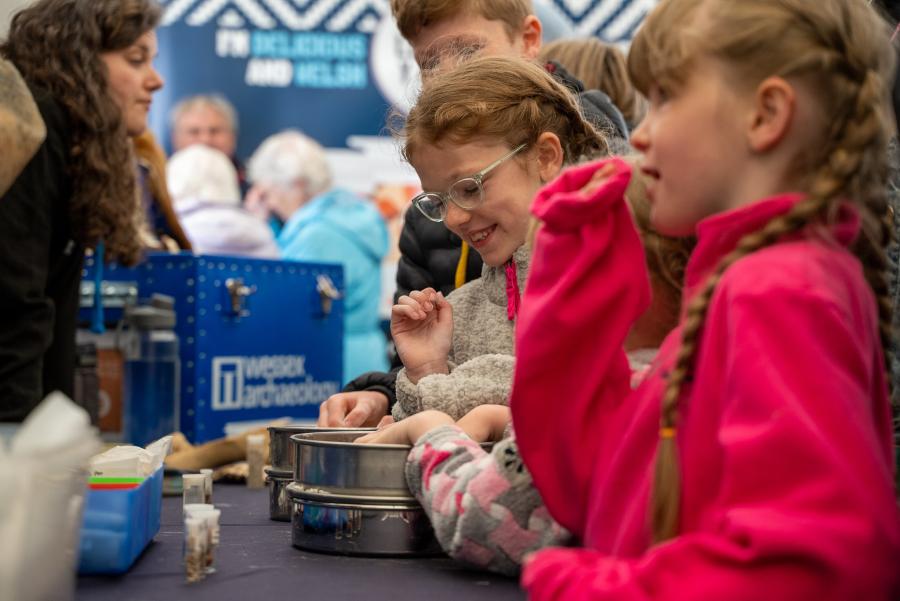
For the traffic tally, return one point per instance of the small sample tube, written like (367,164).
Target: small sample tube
(208,485)
(194,488)
(211,516)
(196,539)
(256,457)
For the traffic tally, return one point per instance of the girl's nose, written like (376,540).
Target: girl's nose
(640,139)
(456,216)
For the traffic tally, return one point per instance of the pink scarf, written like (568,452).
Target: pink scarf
(513,298)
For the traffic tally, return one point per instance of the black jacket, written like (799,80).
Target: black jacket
(40,274)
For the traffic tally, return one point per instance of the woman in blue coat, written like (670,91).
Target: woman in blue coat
(292,179)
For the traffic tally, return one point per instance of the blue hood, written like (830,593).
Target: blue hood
(344,211)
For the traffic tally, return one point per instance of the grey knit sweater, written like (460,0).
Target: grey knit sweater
(481,353)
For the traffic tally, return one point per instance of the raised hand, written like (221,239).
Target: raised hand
(598,180)
(422,329)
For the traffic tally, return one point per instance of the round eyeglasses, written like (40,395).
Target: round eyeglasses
(467,193)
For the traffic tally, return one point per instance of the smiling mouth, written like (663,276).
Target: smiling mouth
(480,237)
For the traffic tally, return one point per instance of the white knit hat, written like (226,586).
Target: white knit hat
(199,172)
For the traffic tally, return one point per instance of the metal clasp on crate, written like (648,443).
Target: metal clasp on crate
(238,293)
(328,292)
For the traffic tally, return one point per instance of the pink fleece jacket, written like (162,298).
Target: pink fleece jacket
(784,435)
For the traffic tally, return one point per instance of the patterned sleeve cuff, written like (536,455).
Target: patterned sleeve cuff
(432,451)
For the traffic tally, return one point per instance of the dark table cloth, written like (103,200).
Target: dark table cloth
(255,561)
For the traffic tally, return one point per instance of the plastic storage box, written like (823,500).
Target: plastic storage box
(118,525)
(258,340)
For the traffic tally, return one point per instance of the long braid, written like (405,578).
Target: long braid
(857,167)
(848,172)
(665,505)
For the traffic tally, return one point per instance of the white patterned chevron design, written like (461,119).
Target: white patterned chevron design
(175,11)
(297,15)
(310,18)
(353,10)
(612,20)
(577,7)
(254,12)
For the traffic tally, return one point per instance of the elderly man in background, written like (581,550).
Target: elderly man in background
(211,120)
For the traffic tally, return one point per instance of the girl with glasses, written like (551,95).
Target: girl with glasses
(482,153)
(483,138)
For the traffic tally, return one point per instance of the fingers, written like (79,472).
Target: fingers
(417,304)
(441,301)
(445,310)
(323,414)
(370,406)
(386,421)
(392,434)
(424,298)
(333,411)
(406,308)
(367,439)
(598,179)
(358,416)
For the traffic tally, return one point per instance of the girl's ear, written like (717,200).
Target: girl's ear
(773,112)
(549,155)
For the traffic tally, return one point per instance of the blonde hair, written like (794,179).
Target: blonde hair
(839,47)
(599,66)
(413,15)
(500,97)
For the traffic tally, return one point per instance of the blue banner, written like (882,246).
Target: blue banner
(331,68)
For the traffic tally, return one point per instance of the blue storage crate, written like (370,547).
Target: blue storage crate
(118,525)
(256,340)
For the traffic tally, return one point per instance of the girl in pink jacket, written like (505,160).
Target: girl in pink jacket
(755,460)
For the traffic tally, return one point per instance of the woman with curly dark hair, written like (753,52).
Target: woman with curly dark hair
(89,66)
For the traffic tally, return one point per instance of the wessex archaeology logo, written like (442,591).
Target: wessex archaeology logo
(265,381)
